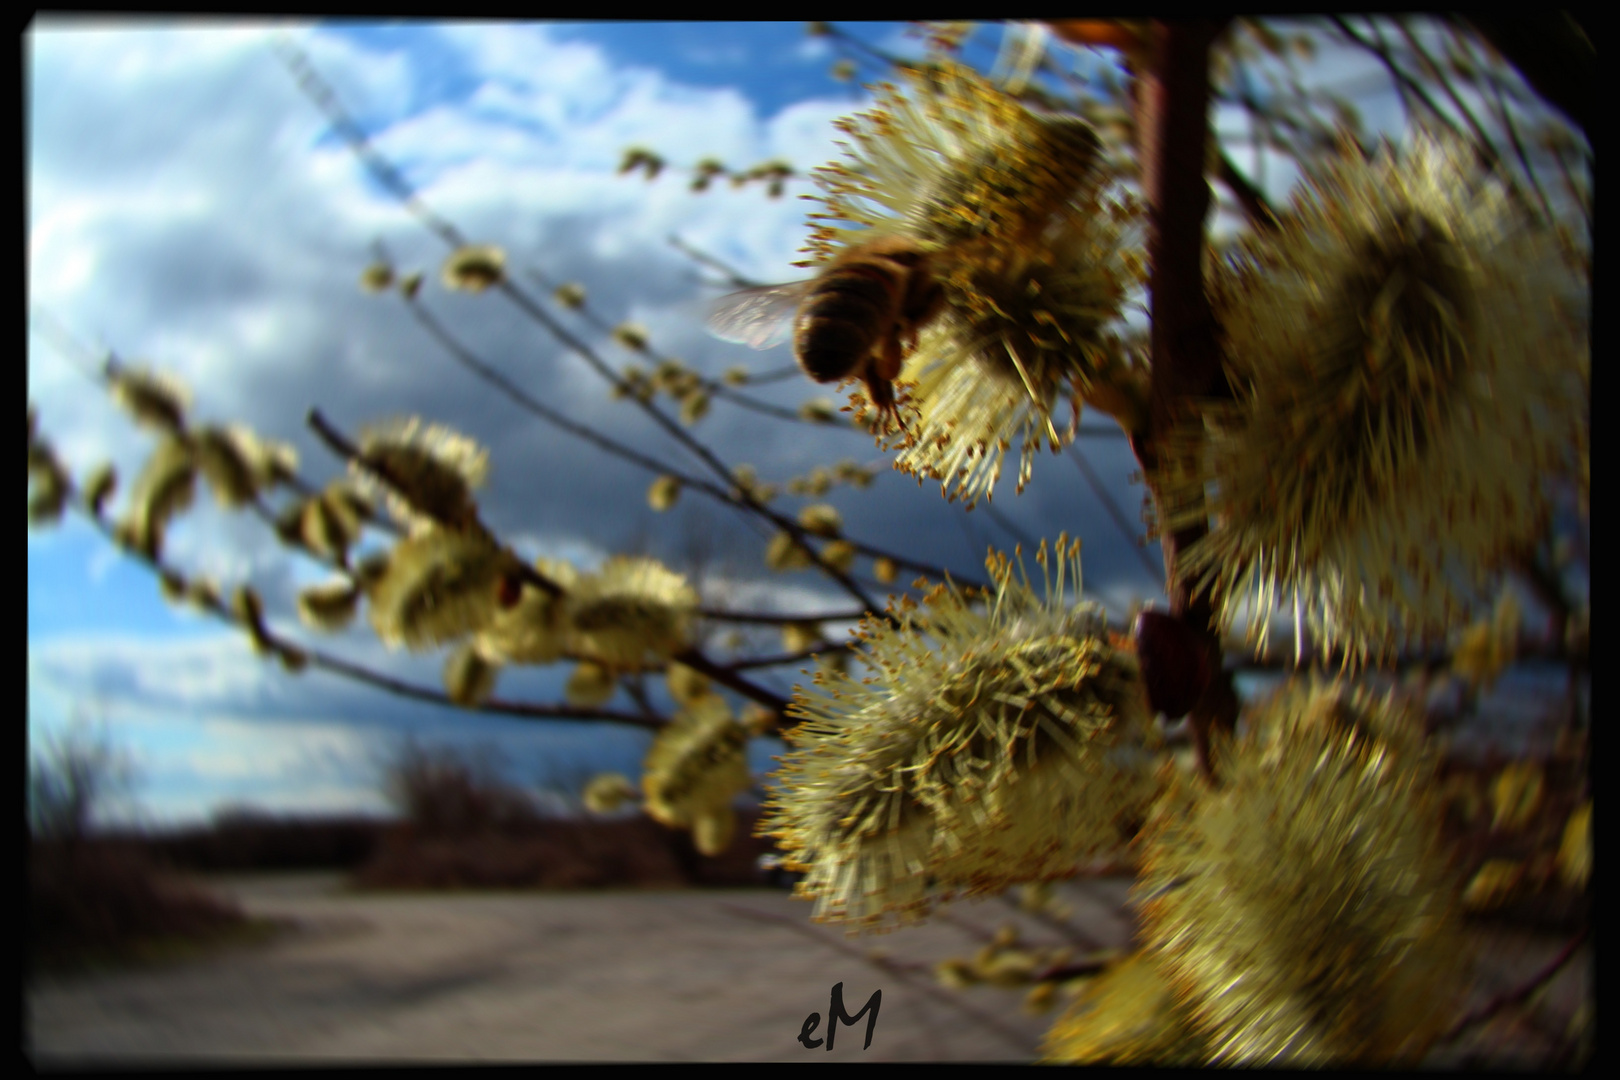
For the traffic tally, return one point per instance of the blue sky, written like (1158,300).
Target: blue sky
(189,207)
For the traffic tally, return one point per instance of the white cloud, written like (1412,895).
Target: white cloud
(190,207)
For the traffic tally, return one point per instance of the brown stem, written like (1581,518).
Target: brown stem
(399,687)
(1174,128)
(726,676)
(1530,646)
(1115,514)
(789,658)
(310,81)
(723,493)
(691,657)
(1089,966)
(1251,198)
(778,618)
(1519,994)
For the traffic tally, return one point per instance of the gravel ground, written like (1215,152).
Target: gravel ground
(672,976)
(644,976)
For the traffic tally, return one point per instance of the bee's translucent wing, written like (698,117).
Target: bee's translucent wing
(760,316)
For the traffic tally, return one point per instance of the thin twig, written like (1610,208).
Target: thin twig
(1007,526)
(1519,994)
(792,371)
(872,53)
(311,82)
(1484,147)
(733,276)
(819,649)
(1554,56)
(1505,118)
(725,494)
(359,673)
(773,618)
(496,706)
(744,498)
(1115,514)
(717,388)
(691,657)
(1405,86)
(1250,197)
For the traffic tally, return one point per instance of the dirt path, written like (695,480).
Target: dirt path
(570,976)
(643,976)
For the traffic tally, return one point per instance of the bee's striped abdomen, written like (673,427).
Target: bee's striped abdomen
(846,315)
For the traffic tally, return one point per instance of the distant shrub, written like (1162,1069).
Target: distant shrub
(441,790)
(70,777)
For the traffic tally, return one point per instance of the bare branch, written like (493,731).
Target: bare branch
(725,494)
(1519,994)
(1115,514)
(1554,54)
(360,673)
(1186,355)
(733,277)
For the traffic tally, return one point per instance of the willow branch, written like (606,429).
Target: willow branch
(776,618)
(734,277)
(1115,514)
(362,674)
(1518,995)
(820,649)
(714,387)
(1554,55)
(691,657)
(1250,197)
(522,709)
(724,494)
(1485,148)
(310,81)
(1187,361)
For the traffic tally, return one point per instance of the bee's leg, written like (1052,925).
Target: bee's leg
(881,391)
(892,358)
(884,368)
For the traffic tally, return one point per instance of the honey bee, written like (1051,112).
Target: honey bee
(858,318)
